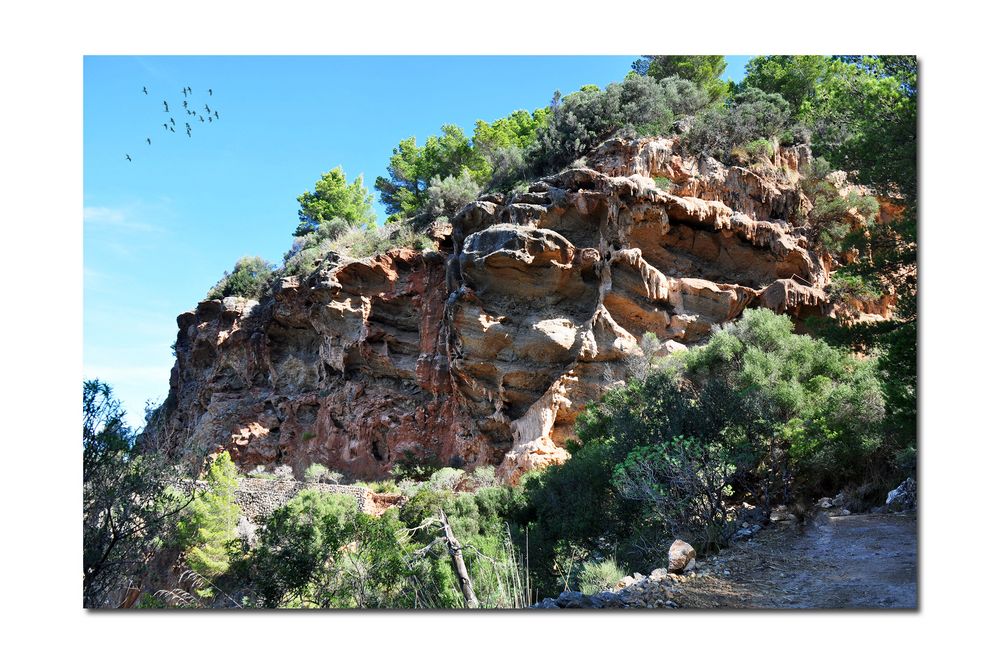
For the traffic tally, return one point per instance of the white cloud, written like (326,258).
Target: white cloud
(118,218)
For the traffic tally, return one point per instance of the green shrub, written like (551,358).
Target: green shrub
(748,116)
(446,479)
(306,255)
(358,242)
(317,472)
(683,483)
(250,278)
(149,601)
(663,183)
(820,407)
(479,522)
(702,71)
(597,577)
(511,170)
(760,149)
(207,527)
(447,196)
(483,477)
(795,135)
(758,414)
(338,219)
(416,465)
(844,286)
(832,215)
(383,486)
(303,558)
(580,121)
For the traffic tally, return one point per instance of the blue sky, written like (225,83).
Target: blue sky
(160,230)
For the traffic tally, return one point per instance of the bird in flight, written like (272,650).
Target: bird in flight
(216,115)
(185,92)
(172,121)
(128,157)
(185,103)
(172,129)
(210,92)
(201,117)
(148,142)
(207,109)
(144,90)
(189,132)
(166,109)
(165,126)
(210,118)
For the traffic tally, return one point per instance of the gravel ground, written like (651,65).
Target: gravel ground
(862,561)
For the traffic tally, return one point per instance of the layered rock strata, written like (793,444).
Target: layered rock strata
(486,350)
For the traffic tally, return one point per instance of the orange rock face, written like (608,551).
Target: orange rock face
(485,351)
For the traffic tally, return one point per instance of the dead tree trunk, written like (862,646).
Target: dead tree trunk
(455,550)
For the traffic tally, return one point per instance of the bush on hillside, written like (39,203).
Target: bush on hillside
(758,414)
(597,577)
(639,105)
(746,117)
(317,472)
(320,551)
(835,220)
(308,253)
(249,278)
(447,196)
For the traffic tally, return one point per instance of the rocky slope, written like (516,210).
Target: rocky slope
(486,350)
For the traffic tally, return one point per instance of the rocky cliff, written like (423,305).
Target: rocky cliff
(486,350)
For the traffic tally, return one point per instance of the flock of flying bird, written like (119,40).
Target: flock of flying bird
(210,115)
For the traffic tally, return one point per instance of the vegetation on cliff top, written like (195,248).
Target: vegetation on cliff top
(758,414)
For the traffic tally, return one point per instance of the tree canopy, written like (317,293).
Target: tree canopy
(128,507)
(703,70)
(412,167)
(335,201)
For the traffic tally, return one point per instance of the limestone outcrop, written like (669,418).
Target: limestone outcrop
(486,350)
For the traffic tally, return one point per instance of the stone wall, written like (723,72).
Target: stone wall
(258,498)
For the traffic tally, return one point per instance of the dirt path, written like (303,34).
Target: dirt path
(864,561)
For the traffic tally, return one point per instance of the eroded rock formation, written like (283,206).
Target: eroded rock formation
(485,351)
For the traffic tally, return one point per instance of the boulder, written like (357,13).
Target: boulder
(609,600)
(681,555)
(659,574)
(570,599)
(903,497)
